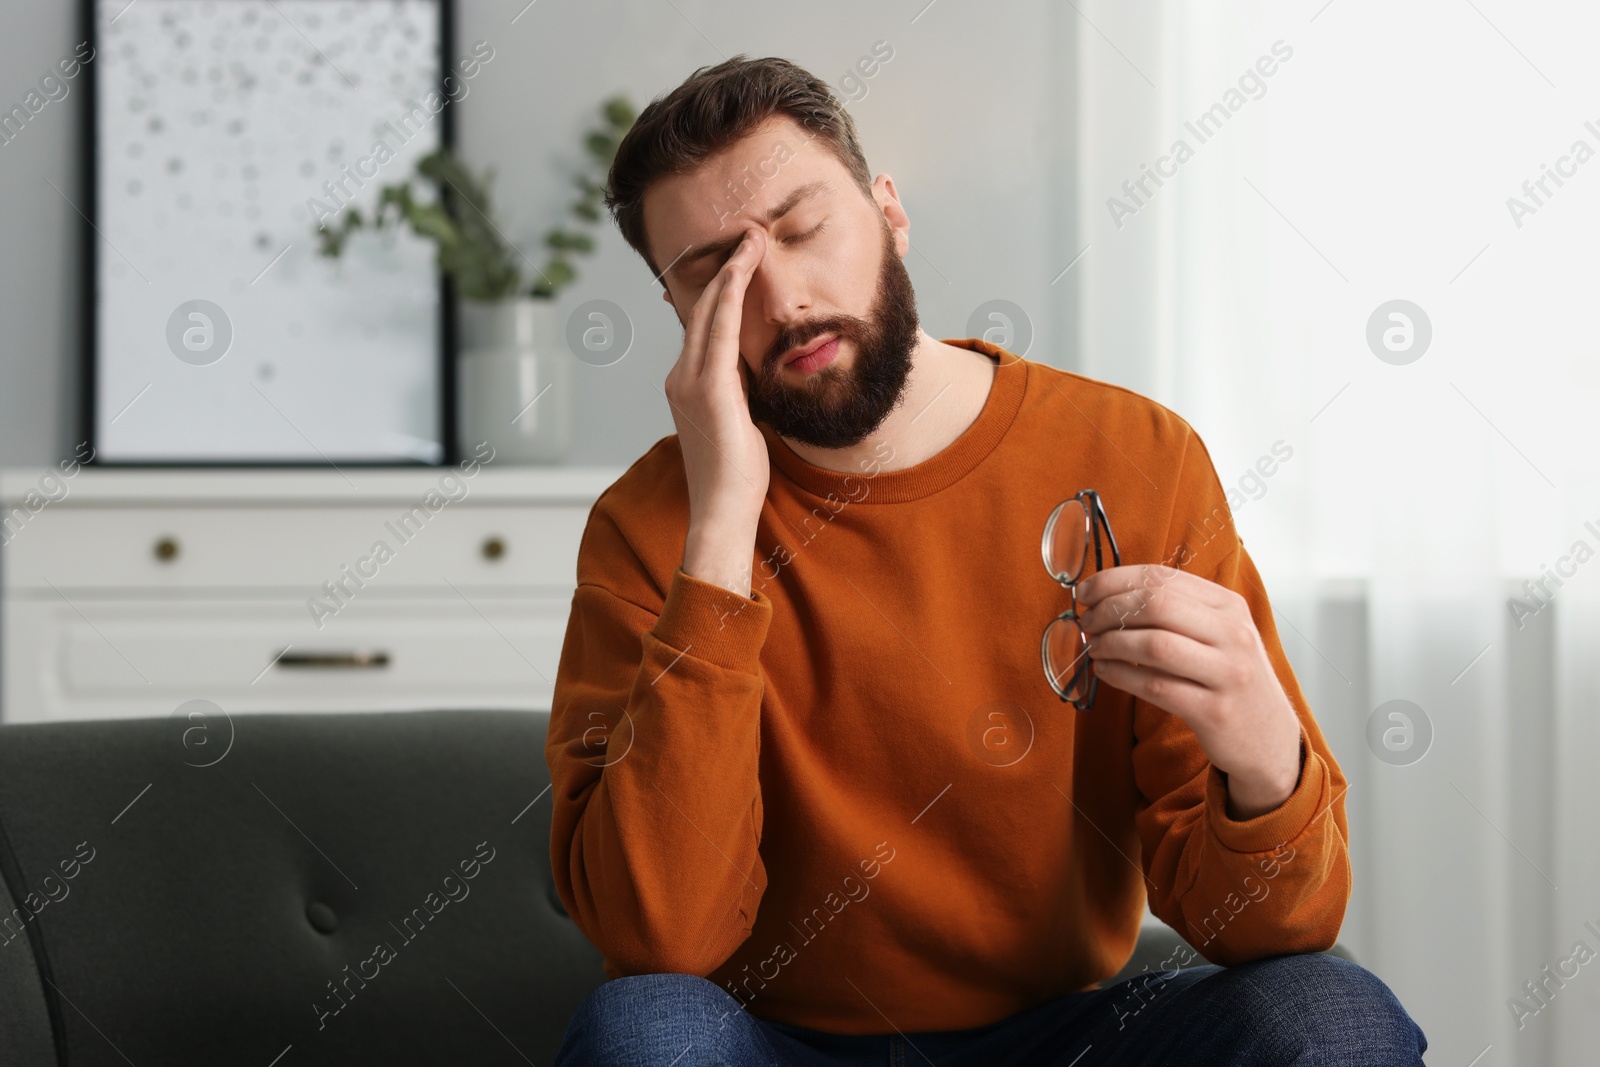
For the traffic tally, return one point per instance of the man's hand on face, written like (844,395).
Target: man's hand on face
(724,454)
(1190,647)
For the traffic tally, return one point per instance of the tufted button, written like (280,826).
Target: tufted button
(322,917)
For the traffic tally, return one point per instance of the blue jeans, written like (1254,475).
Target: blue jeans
(1304,1010)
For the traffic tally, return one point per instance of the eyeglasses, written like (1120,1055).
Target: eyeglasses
(1064,649)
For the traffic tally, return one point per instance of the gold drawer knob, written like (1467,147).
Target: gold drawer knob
(166,549)
(493,547)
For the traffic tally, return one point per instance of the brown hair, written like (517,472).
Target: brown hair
(714,108)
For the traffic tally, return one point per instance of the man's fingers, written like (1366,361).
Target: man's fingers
(698,328)
(722,342)
(1148,578)
(1169,609)
(1162,650)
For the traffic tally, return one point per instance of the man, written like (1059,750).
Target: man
(814,799)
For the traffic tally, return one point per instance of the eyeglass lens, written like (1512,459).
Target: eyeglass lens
(1065,658)
(1067,544)
(1066,550)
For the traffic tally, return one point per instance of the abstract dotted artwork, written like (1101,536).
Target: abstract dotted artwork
(225,131)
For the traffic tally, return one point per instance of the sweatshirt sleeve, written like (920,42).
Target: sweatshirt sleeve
(653,752)
(1237,890)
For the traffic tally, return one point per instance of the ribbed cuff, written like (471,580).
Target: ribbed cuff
(1272,828)
(700,618)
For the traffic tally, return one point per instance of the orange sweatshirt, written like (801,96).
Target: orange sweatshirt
(852,799)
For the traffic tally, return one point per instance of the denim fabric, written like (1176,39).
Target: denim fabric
(1305,1010)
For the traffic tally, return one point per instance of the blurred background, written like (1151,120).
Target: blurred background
(1351,243)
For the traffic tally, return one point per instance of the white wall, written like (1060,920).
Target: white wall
(38,242)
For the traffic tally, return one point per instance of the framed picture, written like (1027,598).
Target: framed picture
(220,135)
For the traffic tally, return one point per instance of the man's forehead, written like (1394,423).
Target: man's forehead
(761,178)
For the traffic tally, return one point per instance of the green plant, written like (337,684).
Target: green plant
(471,249)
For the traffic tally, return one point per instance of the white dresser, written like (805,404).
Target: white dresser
(136,591)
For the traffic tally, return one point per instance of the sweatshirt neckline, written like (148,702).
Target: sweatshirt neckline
(938,471)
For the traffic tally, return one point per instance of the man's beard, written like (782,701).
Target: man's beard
(834,407)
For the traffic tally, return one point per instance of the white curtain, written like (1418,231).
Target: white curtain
(1376,162)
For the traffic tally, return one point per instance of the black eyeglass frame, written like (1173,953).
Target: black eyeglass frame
(1094,520)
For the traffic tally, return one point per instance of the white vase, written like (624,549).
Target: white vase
(514,380)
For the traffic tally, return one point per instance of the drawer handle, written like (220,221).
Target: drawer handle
(361,659)
(493,547)
(166,549)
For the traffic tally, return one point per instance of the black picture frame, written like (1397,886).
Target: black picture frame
(89,263)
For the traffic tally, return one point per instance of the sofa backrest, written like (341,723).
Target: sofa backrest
(343,888)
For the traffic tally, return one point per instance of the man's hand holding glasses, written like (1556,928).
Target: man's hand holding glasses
(1176,641)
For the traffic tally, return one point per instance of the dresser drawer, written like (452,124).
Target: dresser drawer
(298,548)
(128,657)
(138,590)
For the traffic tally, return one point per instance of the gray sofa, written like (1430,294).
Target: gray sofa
(281,890)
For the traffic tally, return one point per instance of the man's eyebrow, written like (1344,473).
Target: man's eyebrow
(728,244)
